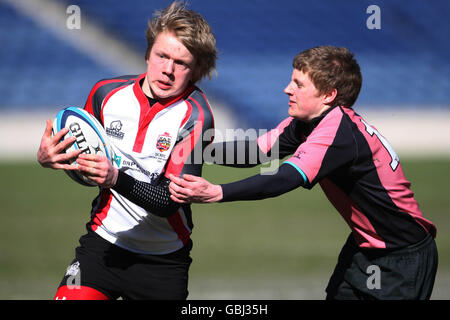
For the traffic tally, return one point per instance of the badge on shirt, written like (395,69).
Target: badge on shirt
(163,142)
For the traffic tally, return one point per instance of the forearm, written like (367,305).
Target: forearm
(260,186)
(153,198)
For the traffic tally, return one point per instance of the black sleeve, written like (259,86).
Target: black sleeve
(284,140)
(153,198)
(239,154)
(264,186)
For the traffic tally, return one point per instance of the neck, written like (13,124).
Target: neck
(146,88)
(319,113)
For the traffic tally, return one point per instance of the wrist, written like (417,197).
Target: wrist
(218,193)
(111,179)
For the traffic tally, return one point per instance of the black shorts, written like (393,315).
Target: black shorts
(117,272)
(406,274)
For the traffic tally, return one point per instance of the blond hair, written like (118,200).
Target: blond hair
(192,30)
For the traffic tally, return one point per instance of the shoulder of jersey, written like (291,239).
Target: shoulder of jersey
(90,137)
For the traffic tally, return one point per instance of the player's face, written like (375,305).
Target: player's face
(305,102)
(169,67)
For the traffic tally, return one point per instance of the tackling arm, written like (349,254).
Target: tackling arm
(265,186)
(196,189)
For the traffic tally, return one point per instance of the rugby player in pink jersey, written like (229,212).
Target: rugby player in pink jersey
(331,145)
(138,243)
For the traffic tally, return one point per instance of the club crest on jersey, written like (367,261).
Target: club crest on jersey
(114,129)
(163,142)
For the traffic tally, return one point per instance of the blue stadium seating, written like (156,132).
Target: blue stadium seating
(404,64)
(38,70)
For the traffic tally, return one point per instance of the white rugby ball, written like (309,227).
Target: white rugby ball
(90,137)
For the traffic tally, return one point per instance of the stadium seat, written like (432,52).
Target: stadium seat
(404,64)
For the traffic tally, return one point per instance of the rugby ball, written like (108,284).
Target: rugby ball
(90,137)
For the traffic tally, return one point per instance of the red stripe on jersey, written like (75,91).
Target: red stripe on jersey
(102,209)
(145,110)
(147,114)
(183,149)
(88,106)
(178,226)
(79,293)
(188,114)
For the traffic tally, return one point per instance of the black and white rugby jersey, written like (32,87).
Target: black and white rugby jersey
(149,142)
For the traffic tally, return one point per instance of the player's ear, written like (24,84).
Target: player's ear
(329,97)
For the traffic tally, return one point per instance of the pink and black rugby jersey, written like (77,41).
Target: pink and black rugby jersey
(359,172)
(148,142)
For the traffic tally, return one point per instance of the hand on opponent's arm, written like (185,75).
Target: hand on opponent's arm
(193,189)
(51,150)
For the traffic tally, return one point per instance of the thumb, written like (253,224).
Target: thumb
(48,128)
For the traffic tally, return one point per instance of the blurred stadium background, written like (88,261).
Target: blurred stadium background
(45,66)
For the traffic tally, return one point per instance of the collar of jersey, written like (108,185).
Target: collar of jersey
(148,113)
(142,98)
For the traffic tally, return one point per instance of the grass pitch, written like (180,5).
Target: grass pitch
(281,248)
